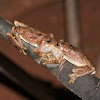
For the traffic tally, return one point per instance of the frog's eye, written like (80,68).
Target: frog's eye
(39,34)
(58,44)
(48,41)
(71,45)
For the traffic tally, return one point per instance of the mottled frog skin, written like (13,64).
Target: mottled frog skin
(76,57)
(63,51)
(46,45)
(23,32)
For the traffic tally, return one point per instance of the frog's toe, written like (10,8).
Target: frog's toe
(43,58)
(72,75)
(94,72)
(71,81)
(44,63)
(22,51)
(25,48)
(73,78)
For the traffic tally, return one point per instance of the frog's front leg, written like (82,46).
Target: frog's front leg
(81,71)
(42,55)
(51,61)
(16,41)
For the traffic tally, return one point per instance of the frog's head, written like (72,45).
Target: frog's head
(61,45)
(48,41)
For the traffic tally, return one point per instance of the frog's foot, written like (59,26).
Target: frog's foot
(48,55)
(50,60)
(94,72)
(22,51)
(43,57)
(73,78)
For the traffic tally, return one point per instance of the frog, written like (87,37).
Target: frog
(45,47)
(21,31)
(75,56)
(62,52)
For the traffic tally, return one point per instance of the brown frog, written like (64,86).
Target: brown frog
(23,32)
(45,47)
(63,51)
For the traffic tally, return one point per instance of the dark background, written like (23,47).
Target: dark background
(48,16)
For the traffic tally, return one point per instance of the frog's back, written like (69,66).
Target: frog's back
(75,56)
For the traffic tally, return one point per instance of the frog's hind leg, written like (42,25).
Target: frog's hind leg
(80,71)
(16,43)
(13,40)
(17,37)
(83,70)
